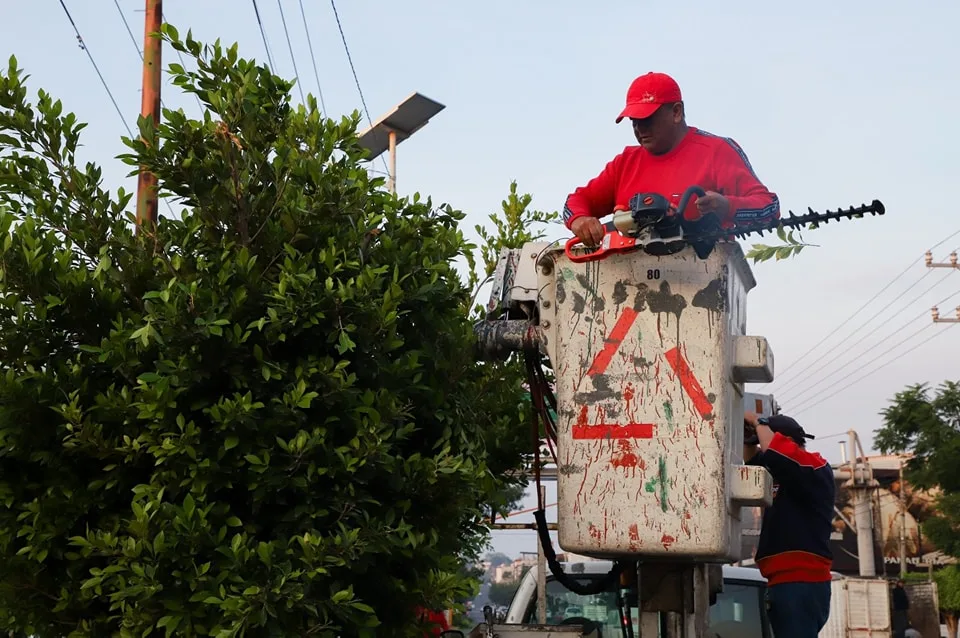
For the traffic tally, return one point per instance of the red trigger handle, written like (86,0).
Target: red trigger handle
(590,256)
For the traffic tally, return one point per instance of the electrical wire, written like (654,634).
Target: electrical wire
(183,63)
(293,58)
(83,45)
(313,59)
(819,379)
(353,70)
(819,400)
(133,39)
(263,34)
(859,310)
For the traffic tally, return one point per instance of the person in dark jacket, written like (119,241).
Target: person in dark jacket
(901,610)
(793,552)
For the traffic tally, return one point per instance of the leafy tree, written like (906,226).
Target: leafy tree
(516,224)
(928,427)
(948,589)
(260,418)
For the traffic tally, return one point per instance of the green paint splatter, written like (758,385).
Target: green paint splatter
(659,481)
(663,483)
(668,412)
(568,274)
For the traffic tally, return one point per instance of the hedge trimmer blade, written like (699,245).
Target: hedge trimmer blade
(701,234)
(795,221)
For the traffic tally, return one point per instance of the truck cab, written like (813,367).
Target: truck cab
(739,610)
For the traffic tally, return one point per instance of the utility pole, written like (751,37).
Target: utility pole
(952,263)
(938,319)
(150,106)
(903,524)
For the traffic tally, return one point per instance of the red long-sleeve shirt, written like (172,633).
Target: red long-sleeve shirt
(700,159)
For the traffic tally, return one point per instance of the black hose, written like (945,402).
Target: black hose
(538,388)
(583,589)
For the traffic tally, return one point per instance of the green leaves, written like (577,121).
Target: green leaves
(927,425)
(791,248)
(262,417)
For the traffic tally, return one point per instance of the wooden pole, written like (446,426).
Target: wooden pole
(150,106)
(903,524)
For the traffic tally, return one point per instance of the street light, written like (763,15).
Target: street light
(404,120)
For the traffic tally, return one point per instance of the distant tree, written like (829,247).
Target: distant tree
(927,425)
(502,593)
(496,559)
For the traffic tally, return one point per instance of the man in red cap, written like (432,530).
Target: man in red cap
(670,158)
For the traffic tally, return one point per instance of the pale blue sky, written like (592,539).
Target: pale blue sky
(836,103)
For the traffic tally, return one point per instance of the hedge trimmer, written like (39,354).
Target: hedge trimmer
(654,225)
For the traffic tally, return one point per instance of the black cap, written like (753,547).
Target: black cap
(786,426)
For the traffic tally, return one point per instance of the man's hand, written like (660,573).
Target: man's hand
(764,433)
(588,229)
(714,202)
(750,431)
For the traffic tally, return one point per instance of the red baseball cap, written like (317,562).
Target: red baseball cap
(648,93)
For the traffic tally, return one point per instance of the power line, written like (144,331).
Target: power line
(353,70)
(818,400)
(820,379)
(263,34)
(83,45)
(296,72)
(136,45)
(800,378)
(858,311)
(183,63)
(837,355)
(313,59)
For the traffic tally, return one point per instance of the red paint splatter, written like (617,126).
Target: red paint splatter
(613,431)
(666,540)
(689,382)
(612,343)
(584,415)
(594,532)
(625,458)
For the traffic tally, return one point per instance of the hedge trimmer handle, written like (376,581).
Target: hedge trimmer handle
(612,243)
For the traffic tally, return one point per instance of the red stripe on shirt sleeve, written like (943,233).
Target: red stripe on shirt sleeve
(750,200)
(787,447)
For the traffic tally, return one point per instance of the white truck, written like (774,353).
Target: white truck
(860,607)
(738,611)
